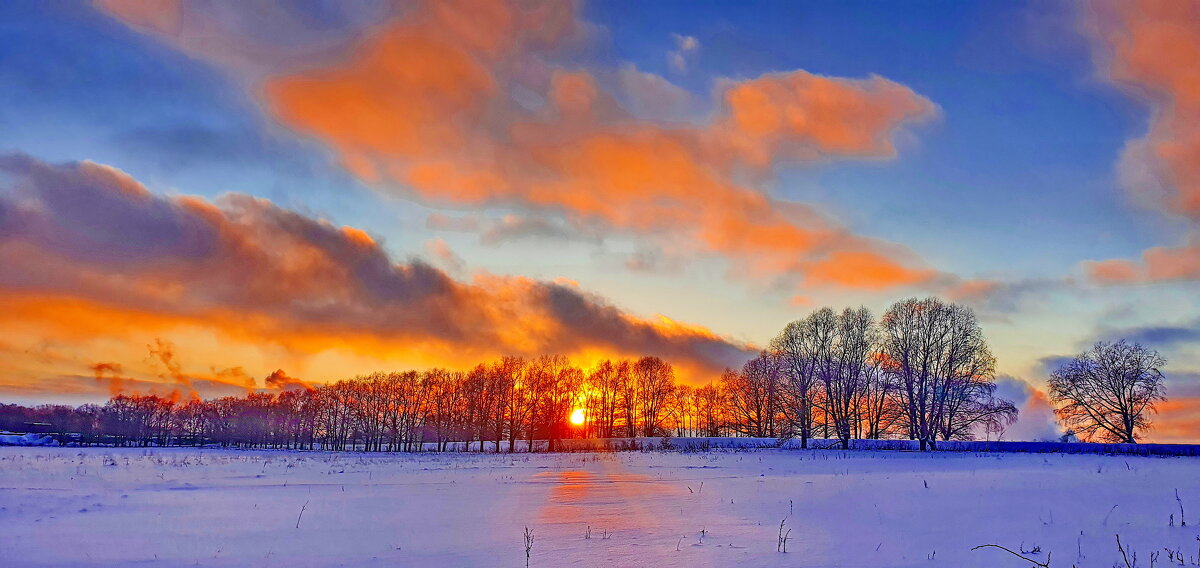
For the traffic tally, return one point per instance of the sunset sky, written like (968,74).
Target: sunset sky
(201,193)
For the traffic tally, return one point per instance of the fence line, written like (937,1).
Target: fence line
(702,444)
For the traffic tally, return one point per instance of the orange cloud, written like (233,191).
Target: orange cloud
(280,380)
(1152,47)
(802,116)
(110,374)
(865,270)
(801,301)
(1158,264)
(425,103)
(90,253)
(1178,420)
(444,254)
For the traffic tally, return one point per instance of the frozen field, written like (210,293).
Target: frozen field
(179,507)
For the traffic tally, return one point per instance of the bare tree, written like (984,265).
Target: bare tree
(798,345)
(401,411)
(845,368)
(655,380)
(560,397)
(942,363)
(539,375)
(603,403)
(502,378)
(754,395)
(511,372)
(479,402)
(682,410)
(971,403)
(879,409)
(1108,390)
(627,389)
(710,404)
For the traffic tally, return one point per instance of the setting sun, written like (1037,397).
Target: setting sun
(577,417)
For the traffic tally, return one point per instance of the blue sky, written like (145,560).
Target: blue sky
(1023,149)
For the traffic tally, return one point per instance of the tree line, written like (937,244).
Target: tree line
(921,371)
(496,404)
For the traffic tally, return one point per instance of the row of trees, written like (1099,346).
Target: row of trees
(923,371)
(495,404)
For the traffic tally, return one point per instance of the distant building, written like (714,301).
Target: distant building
(39,427)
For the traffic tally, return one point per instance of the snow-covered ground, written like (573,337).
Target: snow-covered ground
(178,506)
(14,439)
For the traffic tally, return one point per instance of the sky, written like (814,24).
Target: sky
(207,192)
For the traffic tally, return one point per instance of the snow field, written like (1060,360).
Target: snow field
(208,507)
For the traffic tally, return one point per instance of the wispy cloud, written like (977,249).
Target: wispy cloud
(1152,48)
(685,47)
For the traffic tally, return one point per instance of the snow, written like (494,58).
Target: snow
(211,507)
(13,439)
(901,445)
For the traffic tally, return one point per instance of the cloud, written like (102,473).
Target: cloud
(445,255)
(441,222)
(1177,421)
(84,388)
(799,116)
(111,374)
(996,299)
(651,96)
(280,380)
(253,38)
(1159,336)
(1035,418)
(425,103)
(1178,418)
(1152,49)
(685,46)
(1184,383)
(164,352)
(1051,363)
(1133,38)
(864,270)
(655,260)
(1158,264)
(424,108)
(89,252)
(173,383)
(510,227)
(513,227)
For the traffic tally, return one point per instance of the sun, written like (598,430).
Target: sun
(578,416)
